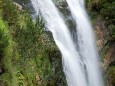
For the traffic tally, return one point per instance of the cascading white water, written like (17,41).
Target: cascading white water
(86,43)
(72,63)
(79,70)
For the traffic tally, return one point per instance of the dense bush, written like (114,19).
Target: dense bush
(105,9)
(3,42)
(28,51)
(111,76)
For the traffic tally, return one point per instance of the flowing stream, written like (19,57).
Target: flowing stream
(81,66)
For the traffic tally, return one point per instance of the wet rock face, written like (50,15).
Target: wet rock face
(58,78)
(67,16)
(23,4)
(58,2)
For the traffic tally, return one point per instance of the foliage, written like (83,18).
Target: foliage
(3,38)
(27,49)
(111,75)
(105,9)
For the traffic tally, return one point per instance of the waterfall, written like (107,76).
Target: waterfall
(86,42)
(80,67)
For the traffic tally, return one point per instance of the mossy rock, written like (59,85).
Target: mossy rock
(111,76)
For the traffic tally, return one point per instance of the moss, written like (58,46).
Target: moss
(111,75)
(104,51)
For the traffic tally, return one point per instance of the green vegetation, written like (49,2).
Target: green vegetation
(105,9)
(26,52)
(111,75)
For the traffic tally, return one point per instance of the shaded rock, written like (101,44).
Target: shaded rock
(109,57)
(101,33)
(18,5)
